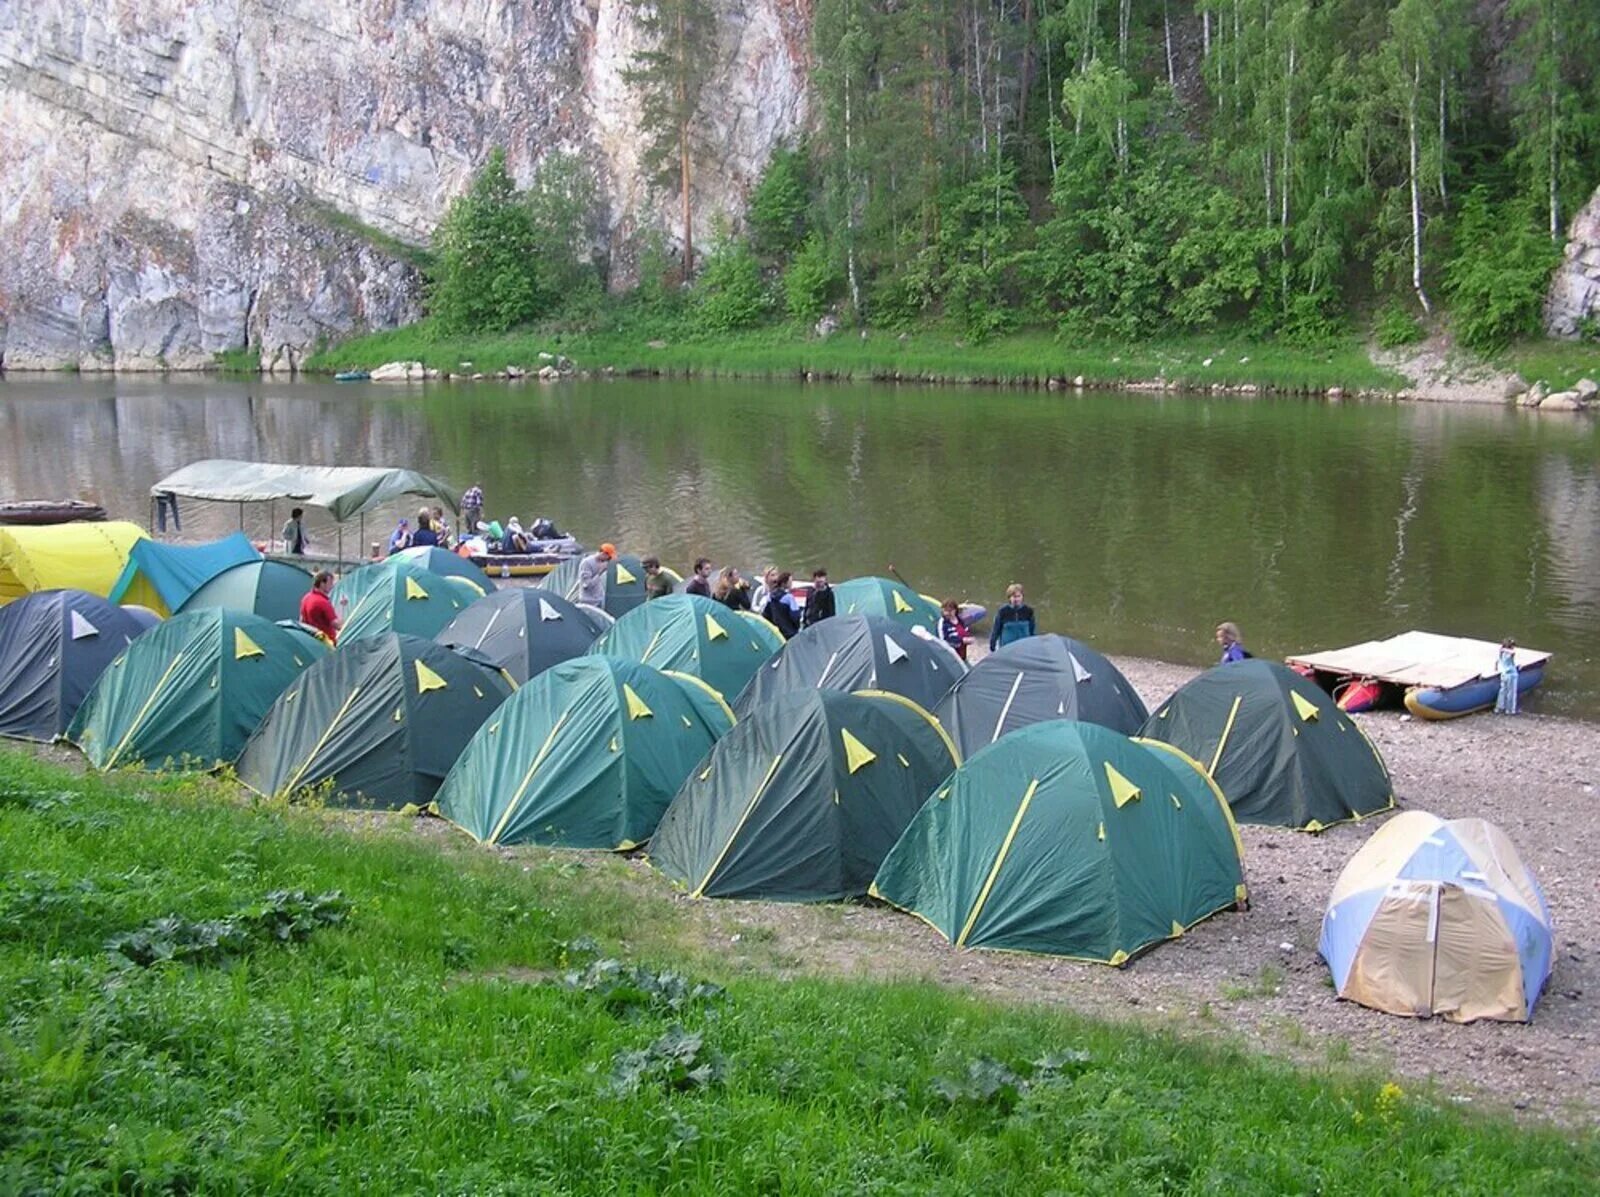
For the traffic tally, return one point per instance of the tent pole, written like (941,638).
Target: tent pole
(241,517)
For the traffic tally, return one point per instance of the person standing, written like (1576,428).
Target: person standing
(731,590)
(656,582)
(820,605)
(1505,702)
(472,508)
(780,609)
(316,608)
(294,533)
(1232,647)
(400,538)
(1014,621)
(441,528)
(424,537)
(592,575)
(764,589)
(700,580)
(953,629)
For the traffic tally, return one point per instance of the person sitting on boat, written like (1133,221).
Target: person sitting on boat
(472,506)
(657,584)
(424,536)
(543,528)
(700,580)
(1232,647)
(780,609)
(731,590)
(592,575)
(400,538)
(953,629)
(316,609)
(1505,702)
(1014,621)
(515,540)
(821,604)
(294,533)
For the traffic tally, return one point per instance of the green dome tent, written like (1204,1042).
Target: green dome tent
(857,652)
(395,596)
(1067,839)
(690,634)
(624,583)
(802,801)
(1034,680)
(888,599)
(380,722)
(447,565)
(269,589)
(189,692)
(522,630)
(1276,745)
(586,755)
(54,645)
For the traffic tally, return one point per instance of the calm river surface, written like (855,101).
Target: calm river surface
(1135,521)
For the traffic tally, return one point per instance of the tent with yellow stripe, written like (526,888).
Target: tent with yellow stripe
(190,691)
(376,723)
(887,599)
(687,633)
(398,596)
(803,799)
(1067,839)
(624,583)
(1281,750)
(586,755)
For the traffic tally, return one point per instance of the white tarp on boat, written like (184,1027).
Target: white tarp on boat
(1418,659)
(343,491)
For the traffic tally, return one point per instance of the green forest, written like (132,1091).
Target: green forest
(1120,169)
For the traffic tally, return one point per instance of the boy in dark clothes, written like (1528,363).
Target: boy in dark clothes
(820,605)
(1012,622)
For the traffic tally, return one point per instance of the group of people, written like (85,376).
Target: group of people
(432,531)
(772,598)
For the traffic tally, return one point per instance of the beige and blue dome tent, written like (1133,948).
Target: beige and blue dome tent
(887,599)
(586,755)
(377,723)
(686,633)
(1436,917)
(189,692)
(522,630)
(54,645)
(1276,745)
(1034,680)
(857,652)
(802,800)
(396,596)
(1068,839)
(269,589)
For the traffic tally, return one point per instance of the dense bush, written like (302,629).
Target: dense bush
(777,210)
(1496,278)
(730,293)
(486,274)
(812,280)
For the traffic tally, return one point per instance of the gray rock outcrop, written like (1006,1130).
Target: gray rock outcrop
(1575,291)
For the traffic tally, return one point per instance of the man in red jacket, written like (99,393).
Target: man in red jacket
(316,609)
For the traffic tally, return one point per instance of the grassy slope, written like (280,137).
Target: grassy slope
(1559,363)
(781,352)
(394,1053)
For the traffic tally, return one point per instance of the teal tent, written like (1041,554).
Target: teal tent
(1277,745)
(802,800)
(888,599)
(1068,839)
(690,634)
(163,576)
(586,755)
(189,692)
(269,589)
(624,583)
(522,630)
(395,596)
(377,723)
(450,565)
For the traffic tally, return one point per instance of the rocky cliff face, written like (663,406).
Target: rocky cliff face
(1575,293)
(182,177)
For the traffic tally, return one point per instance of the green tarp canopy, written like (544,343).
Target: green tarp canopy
(1280,749)
(857,652)
(801,801)
(1034,680)
(690,634)
(587,755)
(522,630)
(189,692)
(1067,839)
(54,645)
(889,599)
(395,596)
(342,491)
(269,589)
(378,723)
(624,583)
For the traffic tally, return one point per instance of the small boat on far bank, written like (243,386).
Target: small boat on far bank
(37,512)
(352,376)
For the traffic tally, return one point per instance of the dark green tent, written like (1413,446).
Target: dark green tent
(1067,839)
(800,802)
(586,755)
(395,596)
(624,583)
(1034,680)
(379,722)
(857,652)
(522,630)
(690,634)
(189,692)
(446,564)
(888,599)
(269,589)
(54,645)
(1276,744)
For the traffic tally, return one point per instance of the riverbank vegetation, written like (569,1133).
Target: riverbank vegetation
(1106,177)
(305,1002)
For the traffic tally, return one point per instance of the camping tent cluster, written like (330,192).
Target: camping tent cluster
(1030,803)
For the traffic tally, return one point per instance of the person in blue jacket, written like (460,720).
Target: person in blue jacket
(1014,621)
(1232,646)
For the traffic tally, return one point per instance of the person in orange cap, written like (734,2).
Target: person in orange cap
(592,575)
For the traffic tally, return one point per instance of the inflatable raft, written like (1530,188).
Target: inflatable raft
(1451,702)
(34,512)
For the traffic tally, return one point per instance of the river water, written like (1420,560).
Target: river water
(1136,522)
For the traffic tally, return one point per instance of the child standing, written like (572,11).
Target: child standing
(952,629)
(1506,702)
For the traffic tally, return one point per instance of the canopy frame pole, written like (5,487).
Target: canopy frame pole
(272,522)
(241,515)
(363,545)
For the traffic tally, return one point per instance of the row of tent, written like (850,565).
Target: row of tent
(1028,803)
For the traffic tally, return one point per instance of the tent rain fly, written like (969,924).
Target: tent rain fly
(343,491)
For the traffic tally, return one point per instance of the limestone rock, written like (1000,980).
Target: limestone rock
(401,372)
(827,326)
(1574,294)
(1562,401)
(1587,389)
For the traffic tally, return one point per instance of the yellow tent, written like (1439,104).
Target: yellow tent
(64,556)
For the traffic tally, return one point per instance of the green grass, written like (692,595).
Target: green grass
(1023,358)
(1559,363)
(330,217)
(418,1046)
(239,361)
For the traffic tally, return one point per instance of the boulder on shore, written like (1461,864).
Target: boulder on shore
(401,372)
(1562,401)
